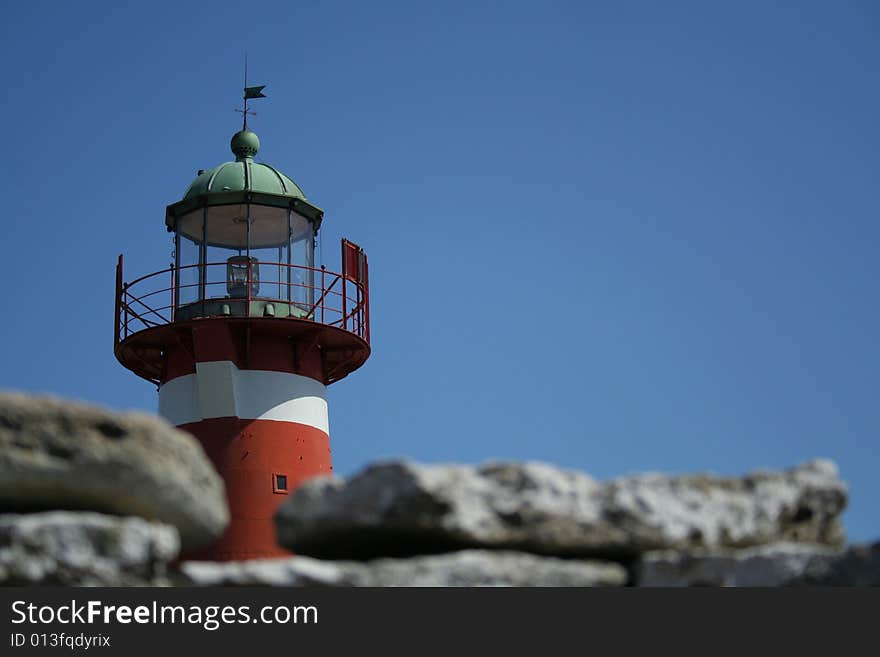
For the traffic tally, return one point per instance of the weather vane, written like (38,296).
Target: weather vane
(249,93)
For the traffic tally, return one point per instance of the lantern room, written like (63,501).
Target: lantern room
(244,237)
(244,264)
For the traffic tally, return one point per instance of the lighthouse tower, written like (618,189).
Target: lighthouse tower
(243,333)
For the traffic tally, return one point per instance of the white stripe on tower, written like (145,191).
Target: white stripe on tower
(220,389)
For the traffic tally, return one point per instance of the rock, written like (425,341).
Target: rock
(291,571)
(84,549)
(493,568)
(465,568)
(765,565)
(401,508)
(859,565)
(60,455)
(801,504)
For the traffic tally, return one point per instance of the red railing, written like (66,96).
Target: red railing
(306,293)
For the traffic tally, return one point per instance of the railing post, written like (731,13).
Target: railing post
(173,291)
(323,291)
(344,305)
(247,312)
(367,313)
(360,313)
(116,317)
(125,305)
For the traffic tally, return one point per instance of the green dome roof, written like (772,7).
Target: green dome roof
(243,181)
(244,174)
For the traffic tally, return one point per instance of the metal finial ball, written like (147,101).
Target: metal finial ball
(245,144)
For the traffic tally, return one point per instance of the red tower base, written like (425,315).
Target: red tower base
(251,455)
(265,432)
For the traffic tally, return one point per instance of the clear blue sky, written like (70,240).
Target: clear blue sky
(615,236)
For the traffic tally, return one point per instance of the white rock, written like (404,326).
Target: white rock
(465,568)
(401,509)
(766,565)
(84,549)
(61,455)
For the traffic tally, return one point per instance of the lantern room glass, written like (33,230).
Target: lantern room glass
(216,244)
(188,249)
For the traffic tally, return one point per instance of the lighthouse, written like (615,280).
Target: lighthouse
(243,332)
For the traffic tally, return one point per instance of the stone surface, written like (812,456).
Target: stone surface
(292,571)
(61,455)
(765,565)
(465,568)
(401,508)
(493,568)
(859,565)
(64,548)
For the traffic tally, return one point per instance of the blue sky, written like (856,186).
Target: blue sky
(615,236)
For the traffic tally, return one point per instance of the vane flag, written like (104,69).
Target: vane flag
(249,94)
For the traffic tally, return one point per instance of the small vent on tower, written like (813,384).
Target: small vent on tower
(279,484)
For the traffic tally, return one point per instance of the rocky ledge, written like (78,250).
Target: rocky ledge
(402,508)
(462,568)
(90,497)
(56,454)
(85,549)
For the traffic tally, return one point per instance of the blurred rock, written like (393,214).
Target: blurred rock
(292,571)
(465,568)
(61,455)
(401,508)
(859,565)
(493,568)
(60,548)
(765,565)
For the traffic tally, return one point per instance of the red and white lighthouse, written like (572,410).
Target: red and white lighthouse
(242,333)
